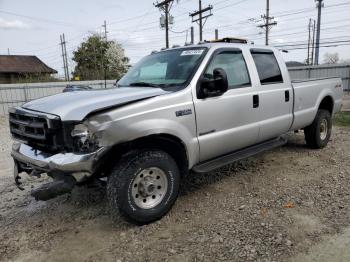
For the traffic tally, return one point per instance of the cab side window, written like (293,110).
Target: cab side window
(267,66)
(234,65)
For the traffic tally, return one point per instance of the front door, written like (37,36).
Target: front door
(228,122)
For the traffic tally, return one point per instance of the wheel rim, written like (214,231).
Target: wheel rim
(149,187)
(323,129)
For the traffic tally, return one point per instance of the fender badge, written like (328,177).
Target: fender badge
(183,112)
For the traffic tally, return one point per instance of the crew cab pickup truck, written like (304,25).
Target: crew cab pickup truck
(193,108)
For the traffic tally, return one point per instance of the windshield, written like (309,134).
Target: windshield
(168,68)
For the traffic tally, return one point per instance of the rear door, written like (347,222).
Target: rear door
(228,122)
(275,94)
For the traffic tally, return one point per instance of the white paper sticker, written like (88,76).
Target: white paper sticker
(192,52)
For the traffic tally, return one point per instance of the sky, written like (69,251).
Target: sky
(34,27)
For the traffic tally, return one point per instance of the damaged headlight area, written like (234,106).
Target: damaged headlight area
(84,139)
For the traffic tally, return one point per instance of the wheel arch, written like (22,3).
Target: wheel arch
(170,144)
(327,103)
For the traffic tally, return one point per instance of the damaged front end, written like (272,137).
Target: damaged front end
(69,153)
(66,169)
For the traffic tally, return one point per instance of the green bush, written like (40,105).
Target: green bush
(342,119)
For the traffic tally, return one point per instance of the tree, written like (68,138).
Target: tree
(345,61)
(116,61)
(330,58)
(97,59)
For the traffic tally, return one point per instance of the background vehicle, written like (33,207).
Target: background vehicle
(71,88)
(191,108)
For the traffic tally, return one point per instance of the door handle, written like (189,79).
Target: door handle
(255,101)
(286,95)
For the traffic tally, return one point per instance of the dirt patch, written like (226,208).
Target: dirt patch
(335,248)
(285,204)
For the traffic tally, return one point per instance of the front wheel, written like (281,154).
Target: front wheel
(319,132)
(143,186)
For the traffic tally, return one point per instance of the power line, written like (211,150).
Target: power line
(274,35)
(303,17)
(180,35)
(113,22)
(305,44)
(49,21)
(304,32)
(299,43)
(229,5)
(179,32)
(298,32)
(254,20)
(336,44)
(303,10)
(294,33)
(180,15)
(135,17)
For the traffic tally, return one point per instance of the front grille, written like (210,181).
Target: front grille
(37,131)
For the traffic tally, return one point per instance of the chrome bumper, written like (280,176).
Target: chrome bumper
(79,166)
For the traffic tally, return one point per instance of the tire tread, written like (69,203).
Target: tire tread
(312,136)
(118,179)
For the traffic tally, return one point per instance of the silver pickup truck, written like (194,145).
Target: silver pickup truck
(196,108)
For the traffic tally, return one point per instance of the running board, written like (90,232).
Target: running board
(210,165)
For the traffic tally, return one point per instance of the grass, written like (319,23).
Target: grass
(342,119)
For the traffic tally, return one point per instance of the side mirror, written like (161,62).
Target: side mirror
(214,87)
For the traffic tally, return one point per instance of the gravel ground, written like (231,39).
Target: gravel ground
(346,102)
(289,204)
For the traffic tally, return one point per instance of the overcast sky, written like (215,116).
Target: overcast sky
(33,27)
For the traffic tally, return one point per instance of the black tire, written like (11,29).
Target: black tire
(314,134)
(121,181)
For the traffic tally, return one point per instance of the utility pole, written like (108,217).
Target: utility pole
(309,43)
(200,21)
(8,51)
(319,6)
(201,16)
(268,22)
(105,30)
(165,6)
(103,58)
(313,42)
(216,34)
(192,35)
(63,57)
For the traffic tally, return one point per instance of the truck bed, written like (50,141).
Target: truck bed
(308,95)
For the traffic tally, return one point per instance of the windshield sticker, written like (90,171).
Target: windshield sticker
(192,52)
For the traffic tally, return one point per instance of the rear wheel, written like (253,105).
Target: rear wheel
(319,132)
(144,186)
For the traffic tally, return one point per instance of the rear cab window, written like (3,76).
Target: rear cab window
(267,66)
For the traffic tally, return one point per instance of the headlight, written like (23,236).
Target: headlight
(80,131)
(84,139)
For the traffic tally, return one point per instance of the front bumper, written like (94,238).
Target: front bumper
(80,166)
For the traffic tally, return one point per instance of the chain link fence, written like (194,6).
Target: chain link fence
(12,95)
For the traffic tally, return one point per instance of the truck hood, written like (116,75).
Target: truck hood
(75,106)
